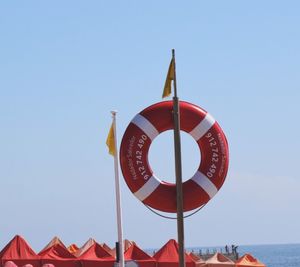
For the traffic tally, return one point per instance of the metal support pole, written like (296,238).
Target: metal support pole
(120,247)
(178,170)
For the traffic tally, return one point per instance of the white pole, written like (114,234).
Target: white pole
(118,195)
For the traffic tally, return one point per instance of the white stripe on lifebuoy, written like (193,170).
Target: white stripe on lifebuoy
(146,126)
(202,128)
(205,184)
(148,188)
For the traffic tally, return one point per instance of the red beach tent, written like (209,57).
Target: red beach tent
(85,247)
(219,260)
(96,256)
(107,248)
(168,256)
(59,256)
(249,261)
(197,259)
(54,241)
(139,256)
(126,245)
(19,252)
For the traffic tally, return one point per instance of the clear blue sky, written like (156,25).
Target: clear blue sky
(64,65)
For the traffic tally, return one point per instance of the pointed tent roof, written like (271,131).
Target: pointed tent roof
(58,255)
(89,243)
(107,248)
(85,247)
(169,254)
(197,259)
(56,252)
(135,253)
(95,252)
(17,248)
(127,244)
(249,261)
(54,241)
(96,256)
(219,260)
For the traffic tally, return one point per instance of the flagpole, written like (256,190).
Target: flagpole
(178,170)
(118,195)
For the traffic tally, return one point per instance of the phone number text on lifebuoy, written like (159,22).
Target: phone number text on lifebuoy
(136,157)
(215,155)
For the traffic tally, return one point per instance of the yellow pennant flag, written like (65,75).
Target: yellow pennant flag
(110,141)
(169,79)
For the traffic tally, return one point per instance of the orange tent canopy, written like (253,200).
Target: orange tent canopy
(249,261)
(73,248)
(219,260)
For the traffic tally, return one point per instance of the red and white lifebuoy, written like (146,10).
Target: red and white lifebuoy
(138,174)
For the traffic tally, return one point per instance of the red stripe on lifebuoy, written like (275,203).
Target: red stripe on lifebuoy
(138,174)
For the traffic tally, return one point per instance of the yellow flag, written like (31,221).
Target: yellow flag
(110,141)
(169,79)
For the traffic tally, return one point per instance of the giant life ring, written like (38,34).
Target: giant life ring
(137,172)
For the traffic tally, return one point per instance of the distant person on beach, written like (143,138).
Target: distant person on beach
(234,249)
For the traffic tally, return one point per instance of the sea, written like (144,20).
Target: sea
(287,255)
(284,255)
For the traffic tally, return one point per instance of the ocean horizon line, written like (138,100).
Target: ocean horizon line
(189,248)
